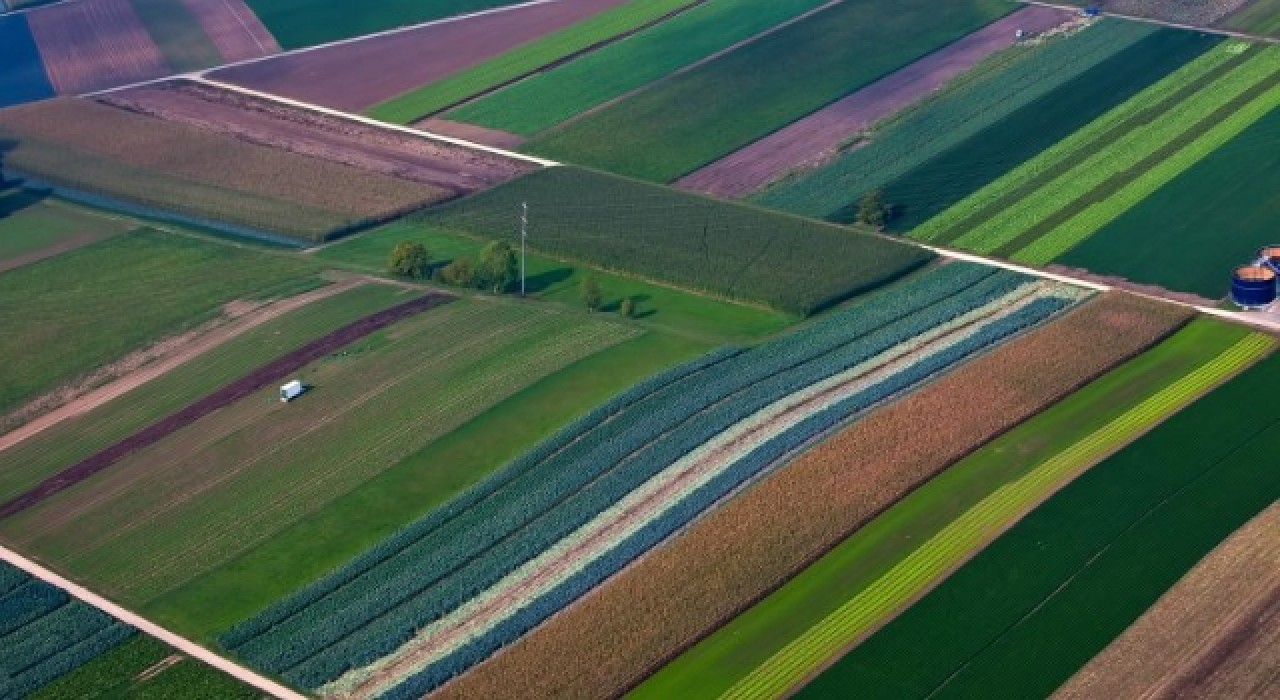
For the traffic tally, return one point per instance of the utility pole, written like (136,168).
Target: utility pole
(524,233)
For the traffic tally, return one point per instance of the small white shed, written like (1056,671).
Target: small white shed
(291,391)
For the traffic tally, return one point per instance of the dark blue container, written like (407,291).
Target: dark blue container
(1253,287)
(1270,257)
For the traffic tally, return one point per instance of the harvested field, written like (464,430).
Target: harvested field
(95,44)
(85,145)
(1202,13)
(453,168)
(471,132)
(729,250)
(269,374)
(359,74)
(679,125)
(635,622)
(1196,636)
(819,136)
(23,78)
(233,29)
(238,477)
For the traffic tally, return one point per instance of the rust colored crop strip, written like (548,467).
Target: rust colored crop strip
(264,376)
(739,553)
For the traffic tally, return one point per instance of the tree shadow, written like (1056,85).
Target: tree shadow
(11,201)
(535,284)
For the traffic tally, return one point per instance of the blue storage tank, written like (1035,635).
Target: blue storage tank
(1270,257)
(1253,287)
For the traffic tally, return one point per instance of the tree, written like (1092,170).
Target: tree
(499,268)
(459,273)
(872,210)
(591,295)
(409,259)
(627,308)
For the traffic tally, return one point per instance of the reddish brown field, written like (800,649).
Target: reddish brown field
(740,552)
(95,44)
(356,75)
(471,132)
(810,141)
(233,28)
(454,168)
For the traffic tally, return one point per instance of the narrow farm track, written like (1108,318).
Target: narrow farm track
(188,352)
(246,385)
(182,644)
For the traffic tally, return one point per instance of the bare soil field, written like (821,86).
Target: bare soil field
(356,75)
(95,44)
(470,132)
(810,141)
(233,28)
(1214,634)
(270,373)
(454,168)
(735,555)
(1195,12)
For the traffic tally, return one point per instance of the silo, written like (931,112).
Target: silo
(1270,257)
(1253,287)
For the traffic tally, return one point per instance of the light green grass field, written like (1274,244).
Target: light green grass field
(554,280)
(116,675)
(556,46)
(34,227)
(851,590)
(66,316)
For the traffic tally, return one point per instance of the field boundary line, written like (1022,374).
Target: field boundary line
(366,121)
(180,643)
(1162,22)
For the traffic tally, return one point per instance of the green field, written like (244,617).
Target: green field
(1257,17)
(74,439)
(425,480)
(850,590)
(178,34)
(728,250)
(69,315)
(1190,233)
(695,118)
(548,98)
(213,490)
(116,673)
(299,23)
(1028,611)
(523,59)
(939,178)
(559,281)
(34,227)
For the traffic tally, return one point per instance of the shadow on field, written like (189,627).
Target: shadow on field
(542,281)
(13,199)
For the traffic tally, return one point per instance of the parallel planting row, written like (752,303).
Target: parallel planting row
(1037,604)
(554,524)
(753,543)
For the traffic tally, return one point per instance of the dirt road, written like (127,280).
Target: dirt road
(808,142)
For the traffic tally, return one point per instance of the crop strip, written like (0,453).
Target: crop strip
(264,376)
(924,567)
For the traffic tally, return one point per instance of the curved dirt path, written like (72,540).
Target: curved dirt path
(187,351)
(182,644)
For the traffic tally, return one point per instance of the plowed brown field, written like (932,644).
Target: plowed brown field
(95,44)
(737,554)
(356,75)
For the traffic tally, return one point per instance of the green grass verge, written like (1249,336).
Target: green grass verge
(559,281)
(848,591)
(115,674)
(33,226)
(178,34)
(1191,232)
(300,23)
(74,439)
(546,99)
(1007,83)
(695,118)
(421,482)
(67,316)
(729,250)
(527,57)
(1028,611)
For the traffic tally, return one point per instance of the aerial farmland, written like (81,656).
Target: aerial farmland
(639,348)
